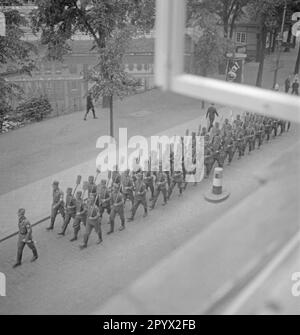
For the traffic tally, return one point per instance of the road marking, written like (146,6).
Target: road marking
(262,276)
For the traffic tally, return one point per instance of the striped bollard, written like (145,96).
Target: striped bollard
(217,193)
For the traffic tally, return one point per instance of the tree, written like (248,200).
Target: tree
(16,56)
(266,13)
(58,21)
(228,11)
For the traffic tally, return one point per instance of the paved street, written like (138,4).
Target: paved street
(65,280)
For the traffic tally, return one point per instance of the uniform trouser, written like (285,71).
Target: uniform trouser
(288,126)
(268,133)
(219,159)
(241,148)
(129,196)
(163,190)
(275,130)
(76,224)
(21,246)
(151,186)
(90,225)
(211,124)
(88,110)
(249,143)
(258,138)
(208,164)
(137,202)
(103,208)
(114,212)
(67,220)
(54,211)
(172,186)
(229,153)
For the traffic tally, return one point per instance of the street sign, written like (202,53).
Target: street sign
(2,24)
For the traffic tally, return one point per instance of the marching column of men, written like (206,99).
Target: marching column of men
(110,196)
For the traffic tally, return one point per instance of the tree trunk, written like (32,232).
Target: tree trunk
(289,38)
(262,48)
(297,65)
(111,116)
(274,41)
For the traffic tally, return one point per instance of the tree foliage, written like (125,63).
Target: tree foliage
(16,55)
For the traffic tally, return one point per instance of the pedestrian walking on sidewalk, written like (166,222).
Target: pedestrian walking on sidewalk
(24,238)
(211,114)
(287,84)
(295,87)
(89,106)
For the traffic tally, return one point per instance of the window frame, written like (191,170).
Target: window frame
(240,34)
(170,76)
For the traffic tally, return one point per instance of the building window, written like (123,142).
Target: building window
(139,67)
(130,67)
(241,37)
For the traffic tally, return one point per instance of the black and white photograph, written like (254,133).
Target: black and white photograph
(149,160)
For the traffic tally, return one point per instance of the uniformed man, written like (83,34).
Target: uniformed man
(240,141)
(24,238)
(228,147)
(92,188)
(208,156)
(161,186)
(127,187)
(103,201)
(139,196)
(114,176)
(177,179)
(215,130)
(117,204)
(249,137)
(80,216)
(57,204)
(149,182)
(70,210)
(268,127)
(93,221)
(226,127)
(274,127)
(203,131)
(217,149)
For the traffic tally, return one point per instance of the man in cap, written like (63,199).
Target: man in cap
(104,199)
(70,210)
(127,187)
(57,204)
(93,221)
(92,188)
(177,179)
(140,196)
(117,208)
(80,216)
(161,186)
(24,238)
